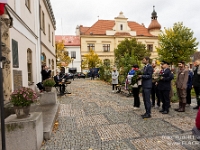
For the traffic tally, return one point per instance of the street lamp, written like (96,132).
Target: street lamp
(72,61)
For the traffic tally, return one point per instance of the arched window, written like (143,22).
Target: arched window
(121,26)
(29,66)
(106,62)
(43,59)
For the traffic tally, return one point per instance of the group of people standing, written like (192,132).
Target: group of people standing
(156,83)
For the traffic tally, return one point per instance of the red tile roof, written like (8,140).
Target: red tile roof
(83,29)
(69,40)
(100,27)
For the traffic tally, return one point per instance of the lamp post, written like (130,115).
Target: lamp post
(72,61)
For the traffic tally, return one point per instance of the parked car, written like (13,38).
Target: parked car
(69,76)
(79,75)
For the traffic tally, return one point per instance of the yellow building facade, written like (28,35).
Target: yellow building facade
(105,35)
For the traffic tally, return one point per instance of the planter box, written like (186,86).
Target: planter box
(48,98)
(24,134)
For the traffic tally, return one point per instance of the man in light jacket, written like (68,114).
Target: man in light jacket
(181,86)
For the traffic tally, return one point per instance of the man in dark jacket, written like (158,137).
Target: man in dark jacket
(196,82)
(58,80)
(146,86)
(46,73)
(189,85)
(164,86)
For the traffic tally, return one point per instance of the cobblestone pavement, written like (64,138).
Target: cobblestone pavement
(94,118)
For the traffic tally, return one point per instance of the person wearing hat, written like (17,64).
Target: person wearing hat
(181,86)
(164,86)
(115,75)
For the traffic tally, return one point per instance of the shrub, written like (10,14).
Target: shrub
(49,82)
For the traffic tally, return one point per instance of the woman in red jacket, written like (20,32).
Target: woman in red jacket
(198,119)
(196,129)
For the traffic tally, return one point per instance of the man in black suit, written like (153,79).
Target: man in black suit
(58,79)
(164,86)
(146,86)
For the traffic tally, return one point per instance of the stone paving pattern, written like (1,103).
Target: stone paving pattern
(94,118)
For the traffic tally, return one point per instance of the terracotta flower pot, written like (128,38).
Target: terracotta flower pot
(22,112)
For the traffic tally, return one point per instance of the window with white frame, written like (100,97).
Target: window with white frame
(49,28)
(52,39)
(90,46)
(43,59)
(73,54)
(43,22)
(29,65)
(121,26)
(106,47)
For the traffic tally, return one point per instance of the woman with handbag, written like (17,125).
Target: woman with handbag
(136,86)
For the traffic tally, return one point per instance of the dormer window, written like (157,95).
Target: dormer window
(121,26)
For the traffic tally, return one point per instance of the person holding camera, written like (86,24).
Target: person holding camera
(46,72)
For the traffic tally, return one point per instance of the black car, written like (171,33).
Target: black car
(67,76)
(79,75)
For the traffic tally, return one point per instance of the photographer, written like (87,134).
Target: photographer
(46,73)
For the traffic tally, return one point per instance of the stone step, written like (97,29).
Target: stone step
(50,113)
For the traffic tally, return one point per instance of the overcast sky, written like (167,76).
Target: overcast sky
(70,13)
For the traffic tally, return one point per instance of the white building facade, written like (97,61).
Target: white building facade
(27,43)
(72,46)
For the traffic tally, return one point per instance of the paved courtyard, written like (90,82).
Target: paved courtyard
(94,118)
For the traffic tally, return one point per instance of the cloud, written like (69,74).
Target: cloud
(85,12)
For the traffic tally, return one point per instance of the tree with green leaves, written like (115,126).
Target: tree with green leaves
(91,60)
(127,53)
(176,44)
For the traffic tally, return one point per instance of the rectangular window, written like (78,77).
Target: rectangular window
(90,47)
(15,57)
(49,64)
(43,22)
(49,33)
(29,65)
(150,47)
(73,54)
(52,39)
(29,72)
(28,5)
(106,47)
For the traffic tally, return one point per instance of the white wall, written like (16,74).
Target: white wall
(26,32)
(77,61)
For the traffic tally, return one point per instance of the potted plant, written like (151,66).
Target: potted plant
(21,99)
(48,84)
